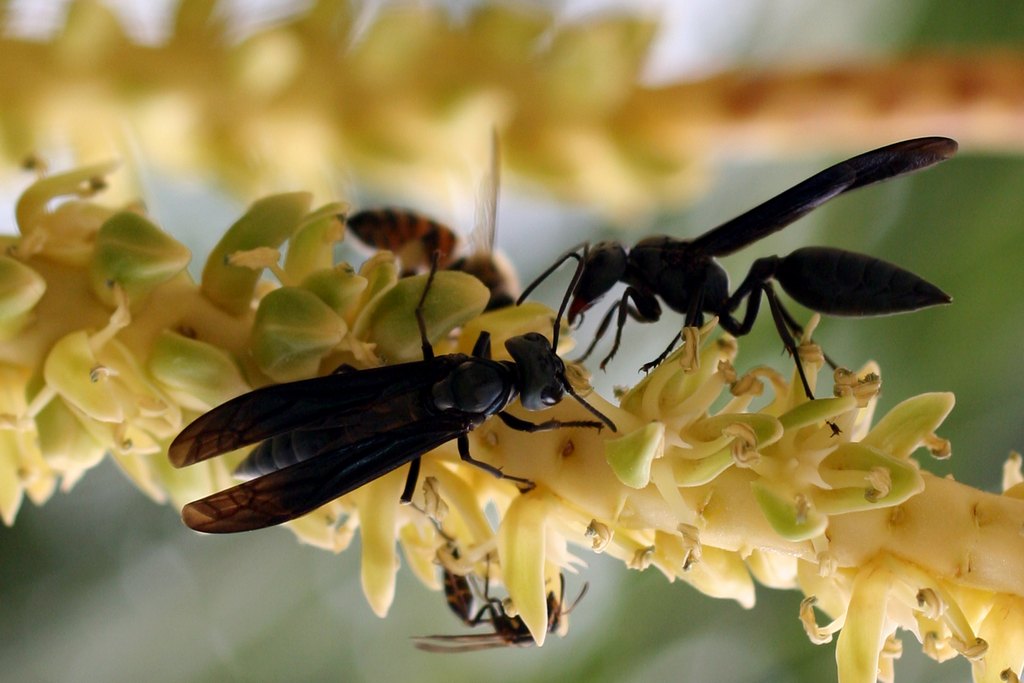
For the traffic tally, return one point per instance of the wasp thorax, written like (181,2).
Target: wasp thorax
(472,387)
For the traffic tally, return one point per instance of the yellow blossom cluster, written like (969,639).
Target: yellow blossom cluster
(109,346)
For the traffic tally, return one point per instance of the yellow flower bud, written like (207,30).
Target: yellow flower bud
(21,288)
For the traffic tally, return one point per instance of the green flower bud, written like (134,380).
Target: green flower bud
(863,478)
(791,516)
(381,273)
(338,287)
(630,456)
(293,331)
(390,320)
(134,253)
(312,247)
(268,223)
(195,374)
(907,425)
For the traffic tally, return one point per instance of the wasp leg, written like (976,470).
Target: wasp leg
(603,327)
(487,467)
(527,426)
(693,317)
(482,347)
(645,309)
(754,284)
(647,367)
(572,253)
(787,339)
(428,353)
(798,331)
(410,481)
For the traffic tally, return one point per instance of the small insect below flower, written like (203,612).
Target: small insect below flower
(507,627)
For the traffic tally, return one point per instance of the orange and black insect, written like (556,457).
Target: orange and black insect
(415,238)
(507,630)
(410,235)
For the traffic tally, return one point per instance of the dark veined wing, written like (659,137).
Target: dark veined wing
(470,642)
(273,410)
(298,489)
(871,167)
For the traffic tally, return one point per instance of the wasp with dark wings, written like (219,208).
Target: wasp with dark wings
(415,238)
(686,277)
(324,437)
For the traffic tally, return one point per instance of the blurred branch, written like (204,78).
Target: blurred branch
(314,102)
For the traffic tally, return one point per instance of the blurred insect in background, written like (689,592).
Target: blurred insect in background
(507,630)
(414,238)
(321,438)
(686,277)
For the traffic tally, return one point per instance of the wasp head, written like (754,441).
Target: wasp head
(604,265)
(541,372)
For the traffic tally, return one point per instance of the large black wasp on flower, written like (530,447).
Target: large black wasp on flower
(321,438)
(686,277)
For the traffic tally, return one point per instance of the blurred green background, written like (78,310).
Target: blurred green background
(103,585)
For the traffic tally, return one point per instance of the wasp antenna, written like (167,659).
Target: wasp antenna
(572,253)
(428,350)
(591,409)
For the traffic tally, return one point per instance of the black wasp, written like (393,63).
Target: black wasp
(507,630)
(414,238)
(686,277)
(324,437)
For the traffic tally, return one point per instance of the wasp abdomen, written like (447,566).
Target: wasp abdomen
(847,283)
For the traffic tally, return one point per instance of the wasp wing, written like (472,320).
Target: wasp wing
(482,236)
(355,398)
(298,489)
(871,167)
(471,642)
